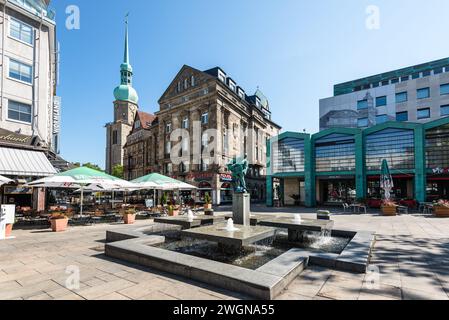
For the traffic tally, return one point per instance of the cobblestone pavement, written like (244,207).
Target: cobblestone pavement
(411,254)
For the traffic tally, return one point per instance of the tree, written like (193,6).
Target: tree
(92,166)
(117,171)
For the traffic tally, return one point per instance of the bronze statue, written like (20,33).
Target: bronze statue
(238,170)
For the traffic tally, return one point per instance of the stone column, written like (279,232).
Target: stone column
(241,208)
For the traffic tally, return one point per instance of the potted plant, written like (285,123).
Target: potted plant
(129,216)
(173,211)
(8,230)
(441,209)
(207,202)
(164,199)
(59,222)
(389,208)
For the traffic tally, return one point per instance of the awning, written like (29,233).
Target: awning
(19,162)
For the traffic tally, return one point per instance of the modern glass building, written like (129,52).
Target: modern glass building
(342,165)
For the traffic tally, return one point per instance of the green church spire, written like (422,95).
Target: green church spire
(125,92)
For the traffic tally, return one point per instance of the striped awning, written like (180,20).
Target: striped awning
(27,163)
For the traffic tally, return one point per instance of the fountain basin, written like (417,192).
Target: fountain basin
(185,223)
(303,225)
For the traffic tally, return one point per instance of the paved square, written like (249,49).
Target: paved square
(411,255)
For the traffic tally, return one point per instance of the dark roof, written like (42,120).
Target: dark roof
(146,119)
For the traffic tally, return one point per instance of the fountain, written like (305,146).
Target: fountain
(258,260)
(190,216)
(297,219)
(230,226)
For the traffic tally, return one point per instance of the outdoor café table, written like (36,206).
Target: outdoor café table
(357,207)
(428,208)
(423,206)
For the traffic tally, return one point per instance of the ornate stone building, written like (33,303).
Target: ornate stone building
(218,121)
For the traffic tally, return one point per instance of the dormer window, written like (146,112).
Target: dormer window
(258,104)
(186,84)
(241,93)
(137,124)
(179,86)
(232,85)
(192,81)
(221,76)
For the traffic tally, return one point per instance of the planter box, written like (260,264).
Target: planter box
(208,206)
(441,212)
(323,215)
(389,211)
(173,213)
(59,225)
(129,218)
(8,230)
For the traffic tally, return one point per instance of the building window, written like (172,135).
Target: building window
(423,93)
(20,71)
(381,118)
(192,81)
(426,73)
(204,140)
(395,80)
(179,86)
(137,124)
(168,127)
(167,147)
(402,116)
(438,71)
(401,97)
(381,101)
(114,137)
(362,122)
(404,79)
(362,104)
(20,31)
(445,110)
(168,168)
(19,111)
(416,75)
(335,152)
(205,118)
(185,123)
(204,166)
(423,113)
(206,91)
(444,89)
(186,83)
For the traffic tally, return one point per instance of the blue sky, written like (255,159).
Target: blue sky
(295,51)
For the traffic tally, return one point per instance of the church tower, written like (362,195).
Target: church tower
(125,108)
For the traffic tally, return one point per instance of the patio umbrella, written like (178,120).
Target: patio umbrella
(161,182)
(80,178)
(4,180)
(386,180)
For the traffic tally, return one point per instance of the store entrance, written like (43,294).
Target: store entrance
(336,192)
(437,189)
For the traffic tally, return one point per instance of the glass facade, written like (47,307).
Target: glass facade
(335,152)
(288,155)
(394,145)
(437,148)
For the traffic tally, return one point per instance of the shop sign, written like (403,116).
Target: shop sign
(18,190)
(11,137)
(225,177)
(440,171)
(197,177)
